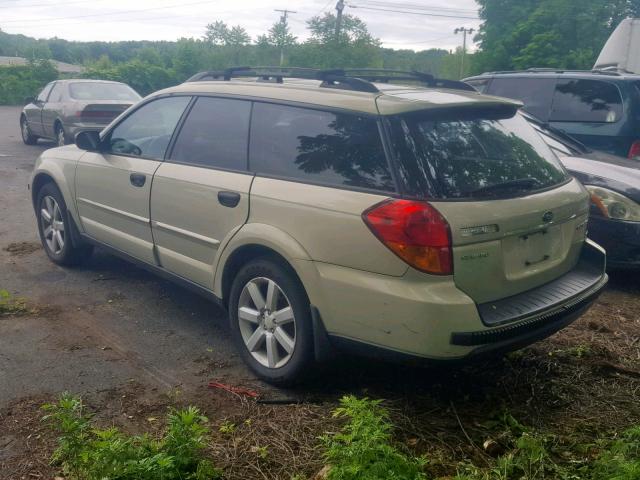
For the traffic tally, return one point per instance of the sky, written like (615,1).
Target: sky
(419,24)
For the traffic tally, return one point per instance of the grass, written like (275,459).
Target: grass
(86,452)
(10,305)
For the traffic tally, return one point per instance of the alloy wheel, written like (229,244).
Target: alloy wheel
(25,131)
(60,137)
(267,322)
(52,225)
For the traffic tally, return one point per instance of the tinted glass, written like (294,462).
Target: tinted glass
(147,131)
(586,101)
(102,91)
(472,157)
(56,93)
(42,96)
(323,147)
(215,134)
(535,93)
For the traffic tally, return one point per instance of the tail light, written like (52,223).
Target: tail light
(634,151)
(415,231)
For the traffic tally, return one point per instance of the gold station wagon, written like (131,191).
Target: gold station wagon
(334,210)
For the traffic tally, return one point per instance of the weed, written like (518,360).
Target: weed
(10,305)
(89,453)
(227,427)
(621,460)
(363,449)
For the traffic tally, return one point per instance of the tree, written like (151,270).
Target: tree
(219,33)
(237,37)
(547,33)
(353,30)
(280,35)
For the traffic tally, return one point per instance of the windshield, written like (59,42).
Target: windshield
(472,157)
(102,91)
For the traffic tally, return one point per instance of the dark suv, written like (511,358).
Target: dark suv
(599,108)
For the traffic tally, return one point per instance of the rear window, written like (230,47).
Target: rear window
(469,157)
(586,101)
(102,91)
(480,84)
(535,93)
(335,149)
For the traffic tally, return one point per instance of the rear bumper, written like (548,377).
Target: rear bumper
(620,239)
(74,128)
(517,321)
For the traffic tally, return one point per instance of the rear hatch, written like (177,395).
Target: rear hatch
(517,219)
(100,102)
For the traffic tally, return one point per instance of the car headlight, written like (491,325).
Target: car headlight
(614,205)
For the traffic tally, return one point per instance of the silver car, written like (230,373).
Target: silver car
(65,107)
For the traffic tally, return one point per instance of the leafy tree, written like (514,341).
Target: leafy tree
(353,30)
(217,33)
(547,33)
(280,35)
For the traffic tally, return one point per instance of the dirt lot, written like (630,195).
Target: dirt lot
(132,344)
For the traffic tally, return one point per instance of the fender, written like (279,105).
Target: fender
(60,165)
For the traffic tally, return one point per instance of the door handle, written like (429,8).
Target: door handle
(137,179)
(229,199)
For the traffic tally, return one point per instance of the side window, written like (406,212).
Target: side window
(215,134)
(480,85)
(586,101)
(535,93)
(56,93)
(148,130)
(42,96)
(329,148)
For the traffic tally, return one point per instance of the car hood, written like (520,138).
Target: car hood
(614,175)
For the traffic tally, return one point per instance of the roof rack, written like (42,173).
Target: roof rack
(603,71)
(357,79)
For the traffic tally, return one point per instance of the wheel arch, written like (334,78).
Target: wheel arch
(256,240)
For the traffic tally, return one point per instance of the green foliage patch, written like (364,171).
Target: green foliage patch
(86,452)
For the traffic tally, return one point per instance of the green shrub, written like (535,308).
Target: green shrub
(363,449)
(621,460)
(89,453)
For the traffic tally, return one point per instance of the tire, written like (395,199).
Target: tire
(276,343)
(27,137)
(61,137)
(54,228)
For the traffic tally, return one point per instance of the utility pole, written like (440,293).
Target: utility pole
(465,32)
(339,8)
(283,19)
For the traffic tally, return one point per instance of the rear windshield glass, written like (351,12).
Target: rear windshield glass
(467,157)
(102,91)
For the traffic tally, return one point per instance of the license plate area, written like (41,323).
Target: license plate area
(532,252)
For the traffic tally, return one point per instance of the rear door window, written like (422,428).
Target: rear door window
(586,101)
(215,134)
(57,93)
(42,96)
(318,147)
(535,93)
(471,157)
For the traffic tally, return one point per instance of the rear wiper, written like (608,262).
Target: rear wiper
(519,183)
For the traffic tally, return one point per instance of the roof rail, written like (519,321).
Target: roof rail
(603,71)
(357,79)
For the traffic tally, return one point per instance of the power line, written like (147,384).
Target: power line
(412,13)
(415,6)
(323,8)
(47,4)
(122,12)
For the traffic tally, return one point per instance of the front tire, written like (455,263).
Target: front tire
(61,137)
(271,321)
(54,228)
(27,137)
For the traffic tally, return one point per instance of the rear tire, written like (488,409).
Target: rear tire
(27,137)
(271,321)
(54,228)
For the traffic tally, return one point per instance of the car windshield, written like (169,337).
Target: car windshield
(470,156)
(102,91)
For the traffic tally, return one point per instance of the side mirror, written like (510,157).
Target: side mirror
(88,140)
(28,100)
